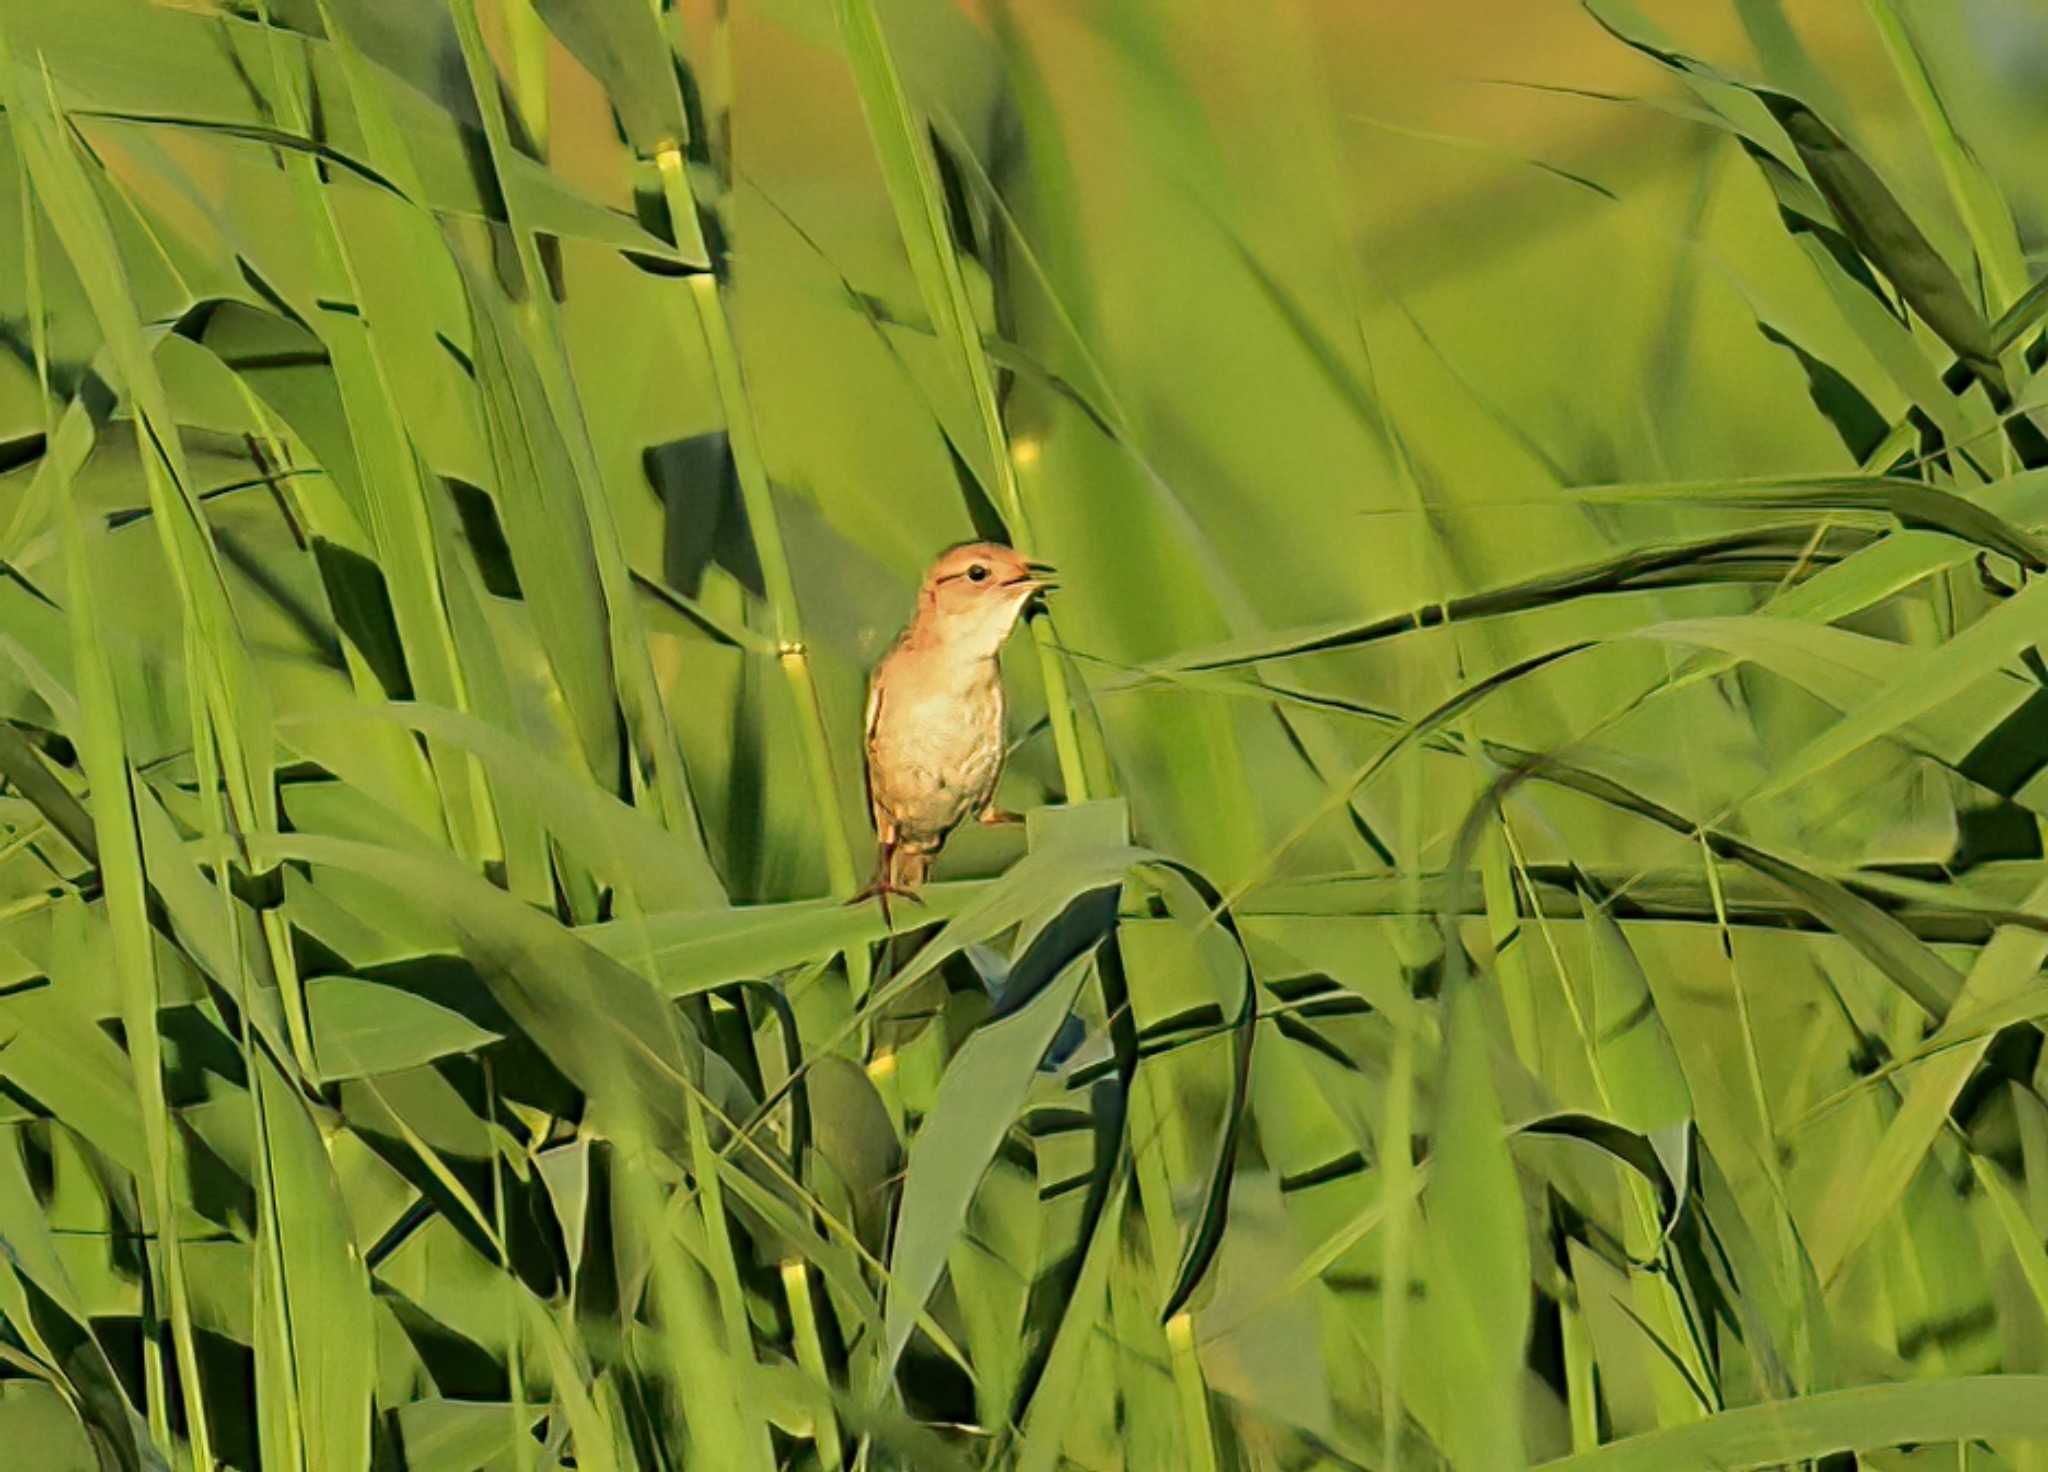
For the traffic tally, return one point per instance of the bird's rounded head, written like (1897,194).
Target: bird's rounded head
(973,593)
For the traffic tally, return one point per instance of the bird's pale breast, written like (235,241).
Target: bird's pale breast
(937,746)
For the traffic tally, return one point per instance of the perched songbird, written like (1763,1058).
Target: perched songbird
(935,710)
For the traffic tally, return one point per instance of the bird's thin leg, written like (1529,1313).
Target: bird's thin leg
(884,884)
(877,888)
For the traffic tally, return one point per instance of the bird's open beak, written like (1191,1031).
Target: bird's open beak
(1042,576)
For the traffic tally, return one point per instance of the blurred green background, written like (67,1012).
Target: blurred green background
(1527,945)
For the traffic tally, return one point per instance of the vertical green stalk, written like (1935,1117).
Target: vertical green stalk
(111,803)
(1398,1188)
(721,83)
(1045,1419)
(708,1400)
(912,178)
(758,497)
(1581,1393)
(1752,1058)
(1658,1300)
(515,1334)
(280,1417)
(721,1263)
(810,1358)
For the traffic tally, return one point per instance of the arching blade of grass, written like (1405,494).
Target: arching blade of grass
(695,949)
(1880,228)
(973,1111)
(1868,1418)
(602,1024)
(1846,220)
(1045,1425)
(1986,215)
(1725,558)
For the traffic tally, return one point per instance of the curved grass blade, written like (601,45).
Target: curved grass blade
(1867,1418)
(1879,227)
(1214,1211)
(2002,971)
(1913,503)
(1984,211)
(1749,556)
(978,1100)
(694,949)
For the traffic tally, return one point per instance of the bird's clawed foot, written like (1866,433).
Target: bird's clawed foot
(879,890)
(994,817)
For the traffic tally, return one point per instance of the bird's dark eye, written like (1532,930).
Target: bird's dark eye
(977,574)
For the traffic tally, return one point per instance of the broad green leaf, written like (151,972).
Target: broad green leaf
(694,949)
(666,872)
(600,1023)
(978,1101)
(362,1028)
(34,1415)
(850,1127)
(459,1436)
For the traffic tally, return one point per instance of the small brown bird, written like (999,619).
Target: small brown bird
(935,711)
